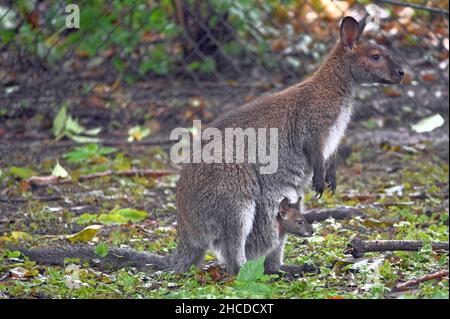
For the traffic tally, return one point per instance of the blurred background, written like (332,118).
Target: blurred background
(163,63)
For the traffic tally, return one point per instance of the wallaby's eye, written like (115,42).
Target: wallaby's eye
(300,222)
(376,57)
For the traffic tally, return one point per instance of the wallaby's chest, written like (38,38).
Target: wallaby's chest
(337,130)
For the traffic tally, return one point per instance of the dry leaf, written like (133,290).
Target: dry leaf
(85,234)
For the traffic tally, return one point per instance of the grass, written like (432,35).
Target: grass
(399,189)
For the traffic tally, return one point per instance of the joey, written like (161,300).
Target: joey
(291,221)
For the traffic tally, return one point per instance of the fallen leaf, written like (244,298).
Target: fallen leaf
(428,124)
(21,272)
(59,171)
(85,234)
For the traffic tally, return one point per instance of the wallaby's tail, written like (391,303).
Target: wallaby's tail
(115,259)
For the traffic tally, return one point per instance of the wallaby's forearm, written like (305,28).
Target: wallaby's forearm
(115,259)
(314,155)
(330,175)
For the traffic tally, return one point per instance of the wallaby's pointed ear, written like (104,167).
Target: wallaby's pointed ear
(284,206)
(362,24)
(296,205)
(349,31)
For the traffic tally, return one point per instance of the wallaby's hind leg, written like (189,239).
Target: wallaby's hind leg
(232,247)
(274,259)
(187,255)
(234,255)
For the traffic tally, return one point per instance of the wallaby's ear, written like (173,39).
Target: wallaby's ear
(362,24)
(296,205)
(284,206)
(349,31)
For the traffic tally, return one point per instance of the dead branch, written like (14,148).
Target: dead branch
(357,248)
(34,198)
(55,180)
(415,6)
(336,213)
(418,280)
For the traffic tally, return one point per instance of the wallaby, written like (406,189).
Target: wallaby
(231,207)
(223,205)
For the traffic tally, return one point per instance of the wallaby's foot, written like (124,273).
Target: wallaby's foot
(185,256)
(318,185)
(330,179)
(233,267)
(234,258)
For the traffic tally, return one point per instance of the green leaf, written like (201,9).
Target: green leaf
(251,271)
(123,216)
(88,153)
(101,250)
(12,254)
(59,123)
(21,172)
(137,133)
(84,139)
(86,218)
(59,171)
(157,19)
(85,234)
(74,126)
(94,131)
(131,214)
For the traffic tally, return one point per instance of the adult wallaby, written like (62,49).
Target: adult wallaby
(221,205)
(231,207)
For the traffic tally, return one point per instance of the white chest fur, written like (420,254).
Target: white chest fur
(337,130)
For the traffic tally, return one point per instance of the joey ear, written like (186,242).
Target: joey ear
(349,31)
(284,206)
(296,205)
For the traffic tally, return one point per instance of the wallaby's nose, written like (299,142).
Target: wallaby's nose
(401,73)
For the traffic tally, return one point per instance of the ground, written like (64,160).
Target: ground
(398,178)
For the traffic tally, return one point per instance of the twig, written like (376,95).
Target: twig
(336,213)
(55,180)
(415,6)
(357,248)
(418,280)
(385,204)
(34,198)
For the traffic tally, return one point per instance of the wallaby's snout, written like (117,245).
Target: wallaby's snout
(397,72)
(367,61)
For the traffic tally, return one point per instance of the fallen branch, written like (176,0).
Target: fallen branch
(336,213)
(357,248)
(415,6)
(55,180)
(34,198)
(418,280)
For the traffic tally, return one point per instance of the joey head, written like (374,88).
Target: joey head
(291,221)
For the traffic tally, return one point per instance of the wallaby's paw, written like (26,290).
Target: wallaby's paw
(330,179)
(318,186)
